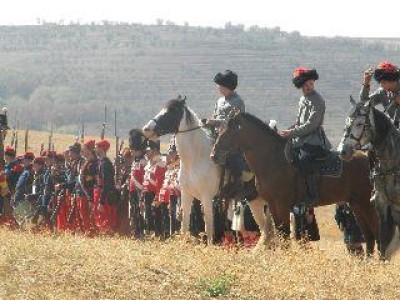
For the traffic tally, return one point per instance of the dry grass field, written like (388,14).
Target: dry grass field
(41,266)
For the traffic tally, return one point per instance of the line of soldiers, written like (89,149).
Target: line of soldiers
(82,191)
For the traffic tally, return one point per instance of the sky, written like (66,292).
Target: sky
(353,18)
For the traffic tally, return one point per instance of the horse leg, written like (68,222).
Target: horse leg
(186,204)
(394,244)
(262,219)
(386,229)
(281,215)
(207,204)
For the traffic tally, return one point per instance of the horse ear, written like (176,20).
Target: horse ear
(183,99)
(367,104)
(352,101)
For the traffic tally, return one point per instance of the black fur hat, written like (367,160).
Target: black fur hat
(386,71)
(227,79)
(137,140)
(76,148)
(301,75)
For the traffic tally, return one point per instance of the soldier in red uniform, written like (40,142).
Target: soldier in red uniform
(105,195)
(170,192)
(153,180)
(137,145)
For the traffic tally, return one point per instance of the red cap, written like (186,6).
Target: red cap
(300,71)
(90,144)
(10,151)
(29,155)
(387,66)
(39,160)
(103,144)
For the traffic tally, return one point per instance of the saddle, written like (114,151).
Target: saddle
(330,165)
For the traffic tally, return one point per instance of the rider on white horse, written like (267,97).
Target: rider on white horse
(230,101)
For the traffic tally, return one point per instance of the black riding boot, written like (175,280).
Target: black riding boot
(311,190)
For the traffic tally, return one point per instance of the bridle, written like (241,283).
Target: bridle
(161,132)
(367,126)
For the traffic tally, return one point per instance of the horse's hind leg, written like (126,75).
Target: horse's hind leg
(262,219)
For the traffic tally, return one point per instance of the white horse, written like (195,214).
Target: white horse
(199,175)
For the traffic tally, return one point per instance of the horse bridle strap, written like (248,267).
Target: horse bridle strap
(190,129)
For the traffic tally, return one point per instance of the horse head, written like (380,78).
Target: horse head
(227,139)
(359,129)
(168,120)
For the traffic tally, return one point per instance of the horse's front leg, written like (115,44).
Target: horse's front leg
(186,205)
(207,204)
(263,220)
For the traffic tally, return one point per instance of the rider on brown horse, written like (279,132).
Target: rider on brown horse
(307,133)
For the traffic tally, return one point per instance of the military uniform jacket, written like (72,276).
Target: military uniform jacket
(48,187)
(385,98)
(105,178)
(13,171)
(171,183)
(137,175)
(225,105)
(87,178)
(24,184)
(308,127)
(154,176)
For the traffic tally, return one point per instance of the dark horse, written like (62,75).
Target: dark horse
(278,180)
(364,125)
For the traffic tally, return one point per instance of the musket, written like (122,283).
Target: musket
(72,210)
(50,145)
(117,151)
(103,130)
(26,138)
(82,137)
(16,138)
(56,208)
(14,132)
(3,128)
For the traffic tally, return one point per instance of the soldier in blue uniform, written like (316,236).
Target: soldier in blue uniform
(25,180)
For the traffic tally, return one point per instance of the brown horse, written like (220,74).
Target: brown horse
(279,181)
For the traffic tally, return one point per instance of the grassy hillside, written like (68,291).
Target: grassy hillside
(72,267)
(65,74)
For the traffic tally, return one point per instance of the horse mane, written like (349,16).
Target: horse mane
(383,124)
(179,105)
(261,125)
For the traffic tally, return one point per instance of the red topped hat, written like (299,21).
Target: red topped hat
(39,160)
(90,144)
(103,144)
(29,155)
(10,151)
(386,71)
(302,74)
